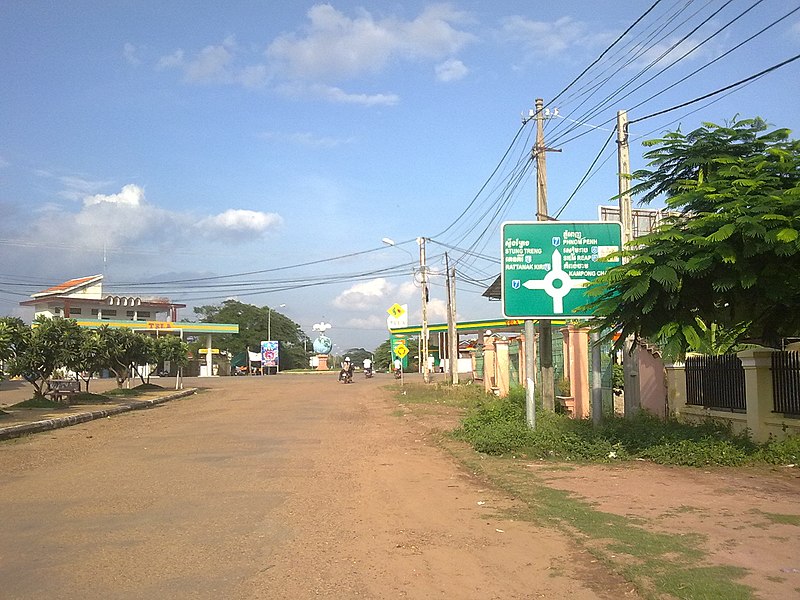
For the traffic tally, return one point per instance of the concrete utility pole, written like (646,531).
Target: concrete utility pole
(545,327)
(630,361)
(452,331)
(423,336)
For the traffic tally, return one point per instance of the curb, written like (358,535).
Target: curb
(14,431)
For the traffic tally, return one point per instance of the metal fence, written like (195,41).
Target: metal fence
(716,382)
(786,382)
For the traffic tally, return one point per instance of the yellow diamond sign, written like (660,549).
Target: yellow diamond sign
(400,350)
(396,311)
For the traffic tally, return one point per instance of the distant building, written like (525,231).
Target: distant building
(83,299)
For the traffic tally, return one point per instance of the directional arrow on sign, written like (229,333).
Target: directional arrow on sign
(557,292)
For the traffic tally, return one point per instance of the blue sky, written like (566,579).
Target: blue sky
(173,145)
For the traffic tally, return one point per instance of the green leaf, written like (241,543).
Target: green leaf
(786,235)
(723,233)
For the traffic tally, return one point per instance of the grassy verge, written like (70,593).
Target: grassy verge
(658,564)
(497,426)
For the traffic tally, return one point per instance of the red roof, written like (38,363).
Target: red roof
(68,286)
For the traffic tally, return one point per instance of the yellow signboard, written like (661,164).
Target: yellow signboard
(400,350)
(205,351)
(396,310)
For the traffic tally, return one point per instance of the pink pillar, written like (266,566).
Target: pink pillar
(578,369)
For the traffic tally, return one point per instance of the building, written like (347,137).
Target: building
(83,298)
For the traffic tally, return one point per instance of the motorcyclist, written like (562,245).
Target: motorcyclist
(368,367)
(346,373)
(398,368)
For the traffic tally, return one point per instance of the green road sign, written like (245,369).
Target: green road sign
(547,264)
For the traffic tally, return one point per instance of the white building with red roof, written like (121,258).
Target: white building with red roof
(83,298)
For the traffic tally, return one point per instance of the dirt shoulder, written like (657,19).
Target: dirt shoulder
(674,531)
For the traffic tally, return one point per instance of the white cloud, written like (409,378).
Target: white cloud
(215,64)
(175,60)
(365,295)
(129,53)
(334,94)
(661,54)
(306,139)
(451,70)
(239,221)
(337,46)
(549,38)
(130,195)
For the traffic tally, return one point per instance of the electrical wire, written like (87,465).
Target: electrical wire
(719,91)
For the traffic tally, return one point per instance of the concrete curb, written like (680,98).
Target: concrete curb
(14,431)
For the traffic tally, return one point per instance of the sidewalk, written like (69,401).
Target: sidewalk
(17,422)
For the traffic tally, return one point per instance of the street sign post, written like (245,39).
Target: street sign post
(547,265)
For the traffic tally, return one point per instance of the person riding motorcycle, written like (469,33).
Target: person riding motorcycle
(398,368)
(367,367)
(346,374)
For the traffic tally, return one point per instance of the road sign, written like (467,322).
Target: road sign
(398,316)
(400,350)
(396,310)
(547,265)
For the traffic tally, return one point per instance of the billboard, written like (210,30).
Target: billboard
(269,354)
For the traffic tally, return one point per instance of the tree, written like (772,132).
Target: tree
(254,326)
(38,351)
(173,349)
(123,350)
(89,358)
(730,253)
(9,331)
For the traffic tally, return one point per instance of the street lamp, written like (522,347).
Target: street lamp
(423,337)
(269,321)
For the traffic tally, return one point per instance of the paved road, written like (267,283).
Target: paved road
(280,487)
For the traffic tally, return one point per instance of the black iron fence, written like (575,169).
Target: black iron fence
(786,382)
(716,382)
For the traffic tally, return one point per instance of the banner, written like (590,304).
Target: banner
(269,354)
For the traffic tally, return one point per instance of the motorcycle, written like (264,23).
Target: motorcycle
(398,373)
(368,372)
(346,375)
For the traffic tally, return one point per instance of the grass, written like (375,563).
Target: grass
(497,426)
(780,519)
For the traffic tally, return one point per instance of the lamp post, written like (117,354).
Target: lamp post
(269,321)
(423,337)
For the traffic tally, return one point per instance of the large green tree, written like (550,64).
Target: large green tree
(728,255)
(256,324)
(36,352)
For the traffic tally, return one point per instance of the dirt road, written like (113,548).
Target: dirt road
(280,487)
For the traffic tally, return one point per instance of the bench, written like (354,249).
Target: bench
(59,389)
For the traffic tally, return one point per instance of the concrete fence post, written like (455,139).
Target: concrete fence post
(757,364)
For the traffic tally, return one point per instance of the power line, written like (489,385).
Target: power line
(719,91)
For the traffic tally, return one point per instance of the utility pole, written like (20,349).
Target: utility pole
(545,326)
(423,339)
(452,331)
(630,361)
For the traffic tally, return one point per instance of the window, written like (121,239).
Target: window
(95,312)
(74,311)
